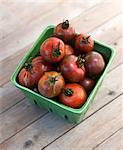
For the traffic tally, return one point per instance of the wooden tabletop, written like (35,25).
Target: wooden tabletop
(24,126)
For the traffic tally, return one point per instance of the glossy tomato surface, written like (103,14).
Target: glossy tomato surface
(64,31)
(72,68)
(68,50)
(73,95)
(51,84)
(94,63)
(84,44)
(31,73)
(52,50)
(87,83)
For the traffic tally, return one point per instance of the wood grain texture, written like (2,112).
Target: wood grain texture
(51,127)
(106,10)
(25,14)
(18,117)
(29,33)
(9,95)
(94,130)
(101,33)
(115,142)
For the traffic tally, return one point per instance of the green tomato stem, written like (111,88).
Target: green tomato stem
(68,92)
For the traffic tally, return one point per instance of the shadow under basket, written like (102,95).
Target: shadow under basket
(70,114)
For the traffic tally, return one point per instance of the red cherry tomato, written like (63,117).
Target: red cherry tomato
(31,73)
(64,31)
(73,95)
(84,43)
(52,50)
(25,78)
(72,68)
(94,63)
(51,84)
(87,83)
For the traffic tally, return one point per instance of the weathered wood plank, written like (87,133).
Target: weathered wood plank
(93,130)
(114,142)
(27,34)
(50,127)
(15,15)
(9,95)
(6,71)
(19,116)
(106,11)
(119,52)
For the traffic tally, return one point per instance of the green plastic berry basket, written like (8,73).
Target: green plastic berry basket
(70,114)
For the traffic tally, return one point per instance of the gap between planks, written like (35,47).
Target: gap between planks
(114,141)
(111,9)
(111,120)
(97,128)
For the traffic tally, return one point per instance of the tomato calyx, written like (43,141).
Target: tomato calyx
(28,66)
(56,51)
(85,39)
(80,61)
(68,92)
(52,80)
(65,24)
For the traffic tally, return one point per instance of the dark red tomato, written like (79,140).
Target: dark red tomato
(25,78)
(64,31)
(84,43)
(72,68)
(87,83)
(94,64)
(68,50)
(51,84)
(32,72)
(73,95)
(52,50)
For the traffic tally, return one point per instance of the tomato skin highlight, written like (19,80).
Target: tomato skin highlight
(25,78)
(76,99)
(70,69)
(83,44)
(52,50)
(64,31)
(30,74)
(94,64)
(68,50)
(51,84)
(87,83)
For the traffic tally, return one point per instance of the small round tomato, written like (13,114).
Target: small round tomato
(68,50)
(52,50)
(51,84)
(87,83)
(31,73)
(64,31)
(94,63)
(25,78)
(72,68)
(84,43)
(73,95)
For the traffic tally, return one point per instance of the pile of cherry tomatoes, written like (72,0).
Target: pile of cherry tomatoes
(67,67)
